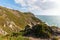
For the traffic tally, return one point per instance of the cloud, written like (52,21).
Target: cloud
(20,2)
(44,7)
(35,4)
(54,11)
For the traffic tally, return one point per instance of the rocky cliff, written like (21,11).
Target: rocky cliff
(14,20)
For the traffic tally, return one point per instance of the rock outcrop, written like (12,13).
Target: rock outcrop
(14,21)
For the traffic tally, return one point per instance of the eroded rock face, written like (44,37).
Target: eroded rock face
(3,32)
(14,20)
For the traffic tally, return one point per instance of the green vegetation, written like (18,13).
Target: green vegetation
(18,38)
(19,19)
(39,30)
(16,24)
(13,36)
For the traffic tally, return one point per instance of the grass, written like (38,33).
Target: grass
(17,20)
(20,22)
(14,38)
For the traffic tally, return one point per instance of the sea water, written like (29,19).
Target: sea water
(50,20)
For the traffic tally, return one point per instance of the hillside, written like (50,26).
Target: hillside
(14,20)
(17,25)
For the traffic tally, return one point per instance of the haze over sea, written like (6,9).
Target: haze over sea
(50,20)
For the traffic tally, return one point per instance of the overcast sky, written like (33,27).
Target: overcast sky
(38,7)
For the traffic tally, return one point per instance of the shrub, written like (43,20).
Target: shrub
(21,38)
(41,30)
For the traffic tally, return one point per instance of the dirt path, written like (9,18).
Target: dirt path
(31,38)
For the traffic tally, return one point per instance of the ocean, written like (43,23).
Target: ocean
(50,20)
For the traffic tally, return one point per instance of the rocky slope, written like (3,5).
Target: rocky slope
(14,21)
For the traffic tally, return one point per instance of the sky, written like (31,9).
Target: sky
(37,7)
